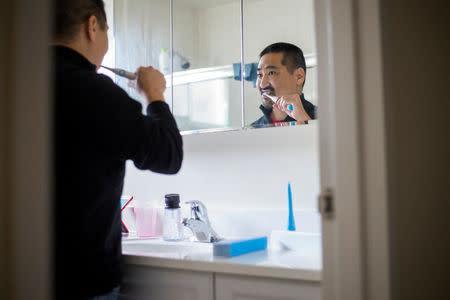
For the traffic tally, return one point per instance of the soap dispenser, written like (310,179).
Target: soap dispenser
(173,228)
(164,61)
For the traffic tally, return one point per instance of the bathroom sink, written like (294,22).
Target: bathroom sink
(159,247)
(308,244)
(308,256)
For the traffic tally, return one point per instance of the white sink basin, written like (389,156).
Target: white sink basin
(309,244)
(159,247)
(307,255)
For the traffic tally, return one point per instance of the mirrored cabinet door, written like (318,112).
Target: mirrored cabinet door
(138,30)
(197,45)
(283,23)
(206,46)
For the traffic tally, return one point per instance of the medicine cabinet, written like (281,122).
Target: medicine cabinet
(203,47)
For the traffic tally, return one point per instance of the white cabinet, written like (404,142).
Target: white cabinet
(233,287)
(144,283)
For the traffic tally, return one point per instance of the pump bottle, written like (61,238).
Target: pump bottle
(173,228)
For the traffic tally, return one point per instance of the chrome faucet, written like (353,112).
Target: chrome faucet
(199,223)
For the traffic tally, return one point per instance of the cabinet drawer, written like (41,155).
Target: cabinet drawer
(252,288)
(143,283)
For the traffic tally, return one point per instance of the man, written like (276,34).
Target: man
(281,76)
(98,127)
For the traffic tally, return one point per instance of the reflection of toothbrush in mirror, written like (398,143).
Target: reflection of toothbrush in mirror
(121,72)
(274,99)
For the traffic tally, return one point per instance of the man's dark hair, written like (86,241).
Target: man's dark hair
(292,56)
(69,15)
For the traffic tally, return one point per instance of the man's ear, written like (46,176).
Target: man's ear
(300,76)
(92,27)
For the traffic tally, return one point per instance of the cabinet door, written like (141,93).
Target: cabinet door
(251,288)
(166,284)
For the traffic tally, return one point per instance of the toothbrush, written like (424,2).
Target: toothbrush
(121,72)
(291,222)
(274,99)
(125,205)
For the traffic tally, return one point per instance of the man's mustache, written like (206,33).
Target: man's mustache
(267,89)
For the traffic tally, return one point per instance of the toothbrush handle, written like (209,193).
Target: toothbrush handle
(290,106)
(126,74)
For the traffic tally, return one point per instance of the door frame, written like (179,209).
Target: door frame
(28,149)
(355,241)
(352,149)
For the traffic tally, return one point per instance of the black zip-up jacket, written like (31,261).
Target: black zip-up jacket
(97,128)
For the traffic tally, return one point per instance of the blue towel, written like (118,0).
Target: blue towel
(248,71)
(237,71)
(251,73)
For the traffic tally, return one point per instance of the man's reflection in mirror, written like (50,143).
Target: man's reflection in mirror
(281,77)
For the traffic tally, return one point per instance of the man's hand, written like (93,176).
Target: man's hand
(298,113)
(152,83)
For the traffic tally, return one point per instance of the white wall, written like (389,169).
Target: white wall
(239,170)
(265,22)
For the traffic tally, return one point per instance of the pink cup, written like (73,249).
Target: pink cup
(146,221)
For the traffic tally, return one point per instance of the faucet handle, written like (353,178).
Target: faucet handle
(199,222)
(198,211)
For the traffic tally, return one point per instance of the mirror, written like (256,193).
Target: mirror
(197,45)
(206,34)
(196,61)
(267,22)
(138,30)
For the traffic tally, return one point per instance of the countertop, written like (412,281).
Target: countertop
(272,263)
